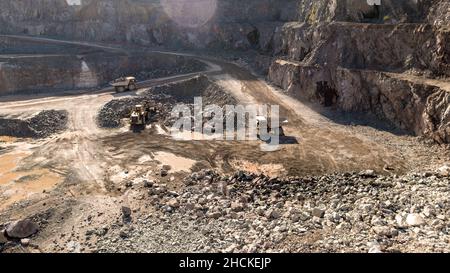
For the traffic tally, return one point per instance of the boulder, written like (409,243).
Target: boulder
(237,206)
(368,174)
(318,212)
(22,229)
(164,172)
(126,213)
(272,214)
(173,203)
(414,220)
(214,215)
(444,170)
(25,242)
(385,231)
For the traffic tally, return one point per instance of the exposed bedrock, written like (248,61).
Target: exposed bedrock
(408,101)
(225,23)
(43,73)
(230,23)
(437,116)
(401,47)
(395,65)
(413,103)
(360,11)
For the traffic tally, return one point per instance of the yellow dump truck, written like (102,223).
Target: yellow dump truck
(124,84)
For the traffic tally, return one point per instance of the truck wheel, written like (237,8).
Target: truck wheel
(120,89)
(132,87)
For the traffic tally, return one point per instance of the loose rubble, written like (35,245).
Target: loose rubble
(113,112)
(245,212)
(162,100)
(42,125)
(126,214)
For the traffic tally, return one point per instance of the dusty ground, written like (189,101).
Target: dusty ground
(78,180)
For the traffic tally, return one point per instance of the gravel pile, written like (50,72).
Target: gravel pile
(113,112)
(42,125)
(163,98)
(48,122)
(354,212)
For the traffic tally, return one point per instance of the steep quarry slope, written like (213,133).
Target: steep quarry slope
(193,23)
(34,66)
(391,60)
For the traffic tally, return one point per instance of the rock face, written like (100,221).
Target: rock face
(52,68)
(437,116)
(231,23)
(395,65)
(360,11)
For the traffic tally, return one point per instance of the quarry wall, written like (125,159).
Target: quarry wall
(390,60)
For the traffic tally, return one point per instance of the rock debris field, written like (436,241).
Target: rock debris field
(350,212)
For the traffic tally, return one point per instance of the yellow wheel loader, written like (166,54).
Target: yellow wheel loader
(139,115)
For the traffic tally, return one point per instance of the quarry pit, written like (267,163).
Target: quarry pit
(357,159)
